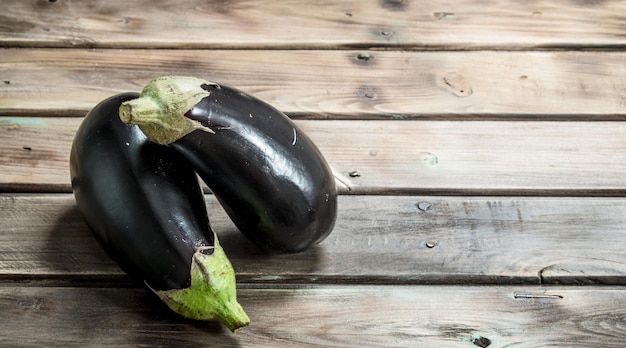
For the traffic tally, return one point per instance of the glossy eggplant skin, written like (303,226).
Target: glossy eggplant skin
(142,201)
(268,175)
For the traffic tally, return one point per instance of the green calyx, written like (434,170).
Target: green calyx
(160,110)
(212,293)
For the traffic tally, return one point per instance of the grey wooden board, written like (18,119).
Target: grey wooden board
(409,157)
(330,316)
(267,24)
(354,84)
(377,239)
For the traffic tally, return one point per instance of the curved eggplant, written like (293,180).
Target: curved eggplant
(144,205)
(268,175)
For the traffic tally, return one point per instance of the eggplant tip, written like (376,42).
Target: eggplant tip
(212,293)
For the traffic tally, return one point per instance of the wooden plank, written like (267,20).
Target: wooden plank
(30,158)
(377,239)
(337,84)
(472,24)
(345,316)
(433,157)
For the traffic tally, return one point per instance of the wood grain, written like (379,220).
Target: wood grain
(467,24)
(334,84)
(377,239)
(337,316)
(479,146)
(434,157)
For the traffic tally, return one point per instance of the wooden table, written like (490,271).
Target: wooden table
(480,149)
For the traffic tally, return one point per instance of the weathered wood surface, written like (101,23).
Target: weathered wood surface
(467,24)
(442,157)
(486,141)
(329,316)
(378,239)
(334,84)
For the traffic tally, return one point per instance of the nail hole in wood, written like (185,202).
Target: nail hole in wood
(364,57)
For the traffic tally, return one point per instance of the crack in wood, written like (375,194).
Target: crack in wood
(518,295)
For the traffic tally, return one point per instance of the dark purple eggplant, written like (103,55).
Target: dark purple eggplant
(145,206)
(268,175)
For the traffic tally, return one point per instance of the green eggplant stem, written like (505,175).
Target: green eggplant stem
(212,293)
(160,110)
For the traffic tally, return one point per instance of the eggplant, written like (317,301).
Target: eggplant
(269,176)
(145,206)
